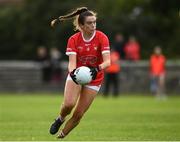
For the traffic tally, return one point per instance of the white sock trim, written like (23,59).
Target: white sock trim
(62,134)
(62,119)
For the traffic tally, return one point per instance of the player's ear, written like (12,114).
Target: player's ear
(81,26)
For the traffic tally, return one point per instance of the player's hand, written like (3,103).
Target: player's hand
(94,71)
(73,76)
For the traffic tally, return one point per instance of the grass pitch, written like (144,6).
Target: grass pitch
(27,117)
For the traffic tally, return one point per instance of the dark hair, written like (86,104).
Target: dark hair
(80,14)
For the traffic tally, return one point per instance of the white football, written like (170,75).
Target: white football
(83,75)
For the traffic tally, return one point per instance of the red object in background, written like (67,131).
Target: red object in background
(114,67)
(157,64)
(132,51)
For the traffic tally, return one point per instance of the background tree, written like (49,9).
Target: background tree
(25,27)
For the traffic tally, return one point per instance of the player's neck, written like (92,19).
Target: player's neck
(88,36)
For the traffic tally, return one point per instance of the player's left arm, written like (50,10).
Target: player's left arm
(106,61)
(105,49)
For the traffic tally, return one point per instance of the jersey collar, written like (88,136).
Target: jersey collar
(90,38)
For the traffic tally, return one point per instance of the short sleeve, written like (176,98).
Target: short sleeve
(71,48)
(105,48)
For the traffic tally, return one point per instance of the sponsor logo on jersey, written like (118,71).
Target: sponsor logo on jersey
(88,60)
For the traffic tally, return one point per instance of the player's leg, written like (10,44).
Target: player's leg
(158,88)
(71,94)
(154,85)
(162,86)
(86,98)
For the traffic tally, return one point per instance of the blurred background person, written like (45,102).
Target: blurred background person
(112,75)
(43,59)
(55,58)
(158,73)
(119,45)
(132,49)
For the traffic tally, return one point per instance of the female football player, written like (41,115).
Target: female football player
(88,47)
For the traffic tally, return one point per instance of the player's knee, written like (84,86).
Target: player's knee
(68,106)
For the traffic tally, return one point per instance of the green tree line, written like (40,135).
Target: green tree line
(25,27)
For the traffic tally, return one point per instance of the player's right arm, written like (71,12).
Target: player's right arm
(71,51)
(72,62)
(72,66)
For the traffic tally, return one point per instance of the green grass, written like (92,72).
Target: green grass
(134,118)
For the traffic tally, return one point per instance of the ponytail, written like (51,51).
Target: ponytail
(78,11)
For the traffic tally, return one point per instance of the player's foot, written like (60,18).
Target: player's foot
(55,126)
(61,135)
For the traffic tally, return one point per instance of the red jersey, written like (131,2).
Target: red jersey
(114,67)
(89,52)
(157,64)
(132,50)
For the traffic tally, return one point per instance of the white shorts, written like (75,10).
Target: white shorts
(96,88)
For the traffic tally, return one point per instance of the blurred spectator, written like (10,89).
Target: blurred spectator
(55,56)
(112,75)
(157,69)
(132,49)
(119,45)
(43,59)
